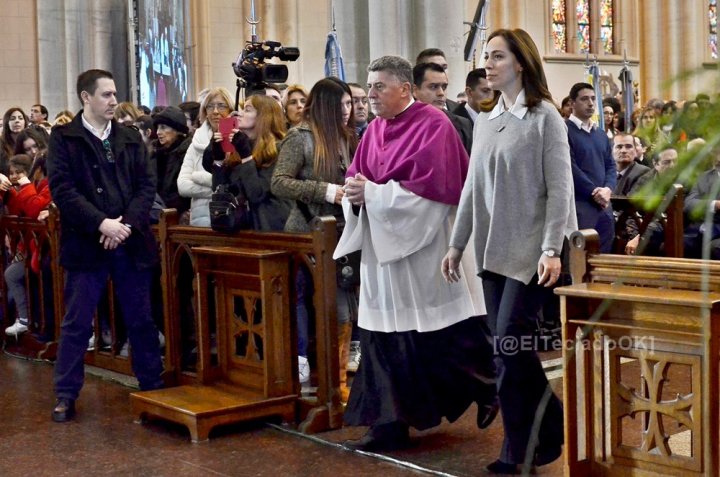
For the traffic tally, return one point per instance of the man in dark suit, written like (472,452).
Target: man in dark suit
(104,185)
(477,90)
(704,199)
(430,86)
(628,171)
(437,56)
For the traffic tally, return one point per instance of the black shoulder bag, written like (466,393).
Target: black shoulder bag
(228,212)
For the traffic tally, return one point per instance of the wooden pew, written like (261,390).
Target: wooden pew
(669,212)
(43,290)
(641,367)
(188,310)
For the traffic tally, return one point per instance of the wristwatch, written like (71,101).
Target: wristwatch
(551,253)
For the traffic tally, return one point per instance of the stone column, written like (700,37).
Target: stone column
(651,61)
(390,28)
(439,25)
(353,30)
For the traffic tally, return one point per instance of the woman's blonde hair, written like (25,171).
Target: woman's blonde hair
(127,109)
(223,93)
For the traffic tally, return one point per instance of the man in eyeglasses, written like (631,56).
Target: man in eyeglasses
(103,184)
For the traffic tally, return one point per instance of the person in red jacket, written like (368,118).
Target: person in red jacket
(23,198)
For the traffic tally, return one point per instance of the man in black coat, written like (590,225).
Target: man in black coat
(430,86)
(701,204)
(104,185)
(478,91)
(628,171)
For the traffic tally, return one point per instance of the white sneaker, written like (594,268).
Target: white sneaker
(161,339)
(354,360)
(20,327)
(125,350)
(303,369)
(91,343)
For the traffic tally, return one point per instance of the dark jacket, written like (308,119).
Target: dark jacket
(79,192)
(464,128)
(630,177)
(269,213)
(462,112)
(168,161)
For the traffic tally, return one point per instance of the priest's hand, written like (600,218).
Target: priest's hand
(355,189)
(450,266)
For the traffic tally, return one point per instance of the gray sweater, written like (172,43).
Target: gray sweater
(518,195)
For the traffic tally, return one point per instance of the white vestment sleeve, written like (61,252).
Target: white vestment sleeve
(401,222)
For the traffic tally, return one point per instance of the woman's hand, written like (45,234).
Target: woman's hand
(217,136)
(548,270)
(339,194)
(450,266)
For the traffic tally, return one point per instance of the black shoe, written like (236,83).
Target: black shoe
(544,456)
(64,410)
(500,467)
(487,413)
(386,437)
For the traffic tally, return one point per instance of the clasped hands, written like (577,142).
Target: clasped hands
(113,232)
(601,195)
(355,189)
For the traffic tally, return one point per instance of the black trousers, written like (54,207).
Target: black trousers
(532,414)
(82,294)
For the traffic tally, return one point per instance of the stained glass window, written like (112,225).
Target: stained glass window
(559,26)
(712,22)
(606,25)
(582,11)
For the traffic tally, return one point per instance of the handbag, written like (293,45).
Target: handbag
(228,212)
(347,267)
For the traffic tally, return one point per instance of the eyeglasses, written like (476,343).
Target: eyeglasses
(220,107)
(108,151)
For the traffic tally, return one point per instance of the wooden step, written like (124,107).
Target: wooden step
(200,408)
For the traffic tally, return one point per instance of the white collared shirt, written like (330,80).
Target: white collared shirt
(102,135)
(587,127)
(473,114)
(519,109)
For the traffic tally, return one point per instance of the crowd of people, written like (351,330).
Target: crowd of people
(418,183)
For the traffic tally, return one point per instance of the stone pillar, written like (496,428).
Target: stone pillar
(437,25)
(200,45)
(651,61)
(353,30)
(390,28)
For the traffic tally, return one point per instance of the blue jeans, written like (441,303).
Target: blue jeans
(82,294)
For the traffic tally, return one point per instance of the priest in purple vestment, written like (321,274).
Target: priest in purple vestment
(425,354)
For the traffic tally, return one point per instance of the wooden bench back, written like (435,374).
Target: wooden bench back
(588,265)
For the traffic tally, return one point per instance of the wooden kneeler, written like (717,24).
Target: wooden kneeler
(253,376)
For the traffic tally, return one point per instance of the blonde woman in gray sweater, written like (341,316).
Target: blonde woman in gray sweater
(518,198)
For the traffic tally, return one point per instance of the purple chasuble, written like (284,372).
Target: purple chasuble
(419,148)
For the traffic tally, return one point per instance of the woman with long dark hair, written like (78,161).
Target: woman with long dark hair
(14,121)
(518,199)
(311,172)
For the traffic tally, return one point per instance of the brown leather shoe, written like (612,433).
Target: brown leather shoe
(64,410)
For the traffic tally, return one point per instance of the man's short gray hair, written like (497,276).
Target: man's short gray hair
(397,66)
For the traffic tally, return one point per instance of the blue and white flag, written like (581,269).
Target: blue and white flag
(333,57)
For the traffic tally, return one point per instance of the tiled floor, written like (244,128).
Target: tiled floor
(104,440)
